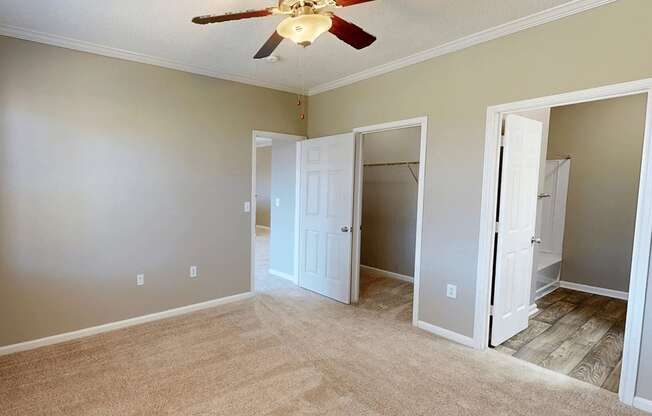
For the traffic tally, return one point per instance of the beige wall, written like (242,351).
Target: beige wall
(263,185)
(602,46)
(109,169)
(605,141)
(389,201)
(284,178)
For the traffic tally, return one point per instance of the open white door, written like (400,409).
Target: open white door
(517,214)
(326,215)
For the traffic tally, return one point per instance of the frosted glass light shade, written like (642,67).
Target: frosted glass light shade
(303,30)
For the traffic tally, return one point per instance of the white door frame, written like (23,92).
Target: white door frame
(357,204)
(274,136)
(642,234)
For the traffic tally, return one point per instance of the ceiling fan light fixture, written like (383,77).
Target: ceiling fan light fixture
(305,29)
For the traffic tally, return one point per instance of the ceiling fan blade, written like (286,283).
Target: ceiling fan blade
(346,3)
(215,18)
(349,33)
(269,46)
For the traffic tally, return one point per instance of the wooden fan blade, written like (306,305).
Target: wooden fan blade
(269,46)
(214,18)
(346,3)
(349,33)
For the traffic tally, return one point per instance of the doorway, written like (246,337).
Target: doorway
(507,270)
(330,171)
(386,264)
(273,210)
(389,187)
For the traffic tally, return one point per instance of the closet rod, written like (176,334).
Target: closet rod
(406,164)
(391,164)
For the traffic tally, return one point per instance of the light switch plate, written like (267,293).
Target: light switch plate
(247,206)
(140,279)
(277,202)
(193,272)
(451,291)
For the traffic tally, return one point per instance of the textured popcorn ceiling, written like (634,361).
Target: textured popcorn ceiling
(162,29)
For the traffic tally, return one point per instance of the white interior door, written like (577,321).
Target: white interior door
(516,227)
(326,215)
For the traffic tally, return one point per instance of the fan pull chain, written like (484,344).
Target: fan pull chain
(302,69)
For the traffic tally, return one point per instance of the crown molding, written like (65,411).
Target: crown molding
(546,16)
(79,45)
(533,20)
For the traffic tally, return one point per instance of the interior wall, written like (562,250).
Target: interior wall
(263,185)
(284,159)
(111,168)
(454,91)
(605,142)
(389,201)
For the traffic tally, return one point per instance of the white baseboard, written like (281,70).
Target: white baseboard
(264,227)
(283,275)
(547,289)
(68,336)
(533,309)
(595,290)
(445,333)
(385,273)
(643,404)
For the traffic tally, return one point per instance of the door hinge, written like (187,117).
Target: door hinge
(502,141)
(491,310)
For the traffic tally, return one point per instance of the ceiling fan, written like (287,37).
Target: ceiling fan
(307,19)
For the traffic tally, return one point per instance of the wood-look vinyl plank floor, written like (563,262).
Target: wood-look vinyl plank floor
(553,297)
(577,334)
(612,382)
(535,329)
(577,297)
(572,351)
(555,311)
(599,364)
(540,347)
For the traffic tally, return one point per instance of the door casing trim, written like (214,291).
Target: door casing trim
(421,122)
(643,231)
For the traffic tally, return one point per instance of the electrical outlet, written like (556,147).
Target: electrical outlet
(193,271)
(451,291)
(140,279)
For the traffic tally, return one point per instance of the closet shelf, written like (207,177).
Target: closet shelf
(547,259)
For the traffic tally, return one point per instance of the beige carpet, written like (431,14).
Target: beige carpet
(388,298)
(286,352)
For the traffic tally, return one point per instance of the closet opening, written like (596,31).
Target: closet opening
(385,261)
(568,189)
